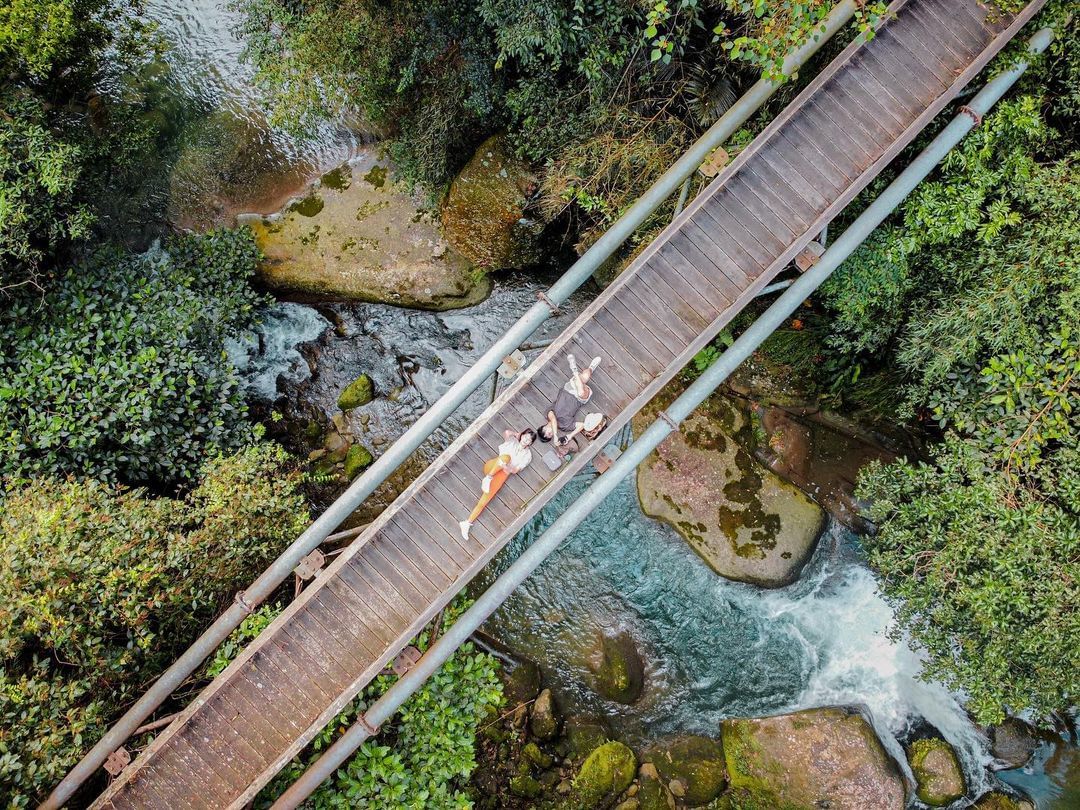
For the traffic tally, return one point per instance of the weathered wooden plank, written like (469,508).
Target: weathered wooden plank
(861,90)
(811,164)
(382,581)
(748,227)
(388,616)
(666,276)
(256,756)
(894,91)
(321,617)
(895,57)
(316,650)
(737,262)
(338,608)
(674,318)
(659,347)
(961,17)
(442,545)
(701,270)
(424,555)
(777,224)
(951,45)
(774,158)
(795,213)
(631,360)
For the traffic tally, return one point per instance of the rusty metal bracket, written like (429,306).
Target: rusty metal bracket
(406,660)
(668,418)
(970,113)
(542,296)
(512,364)
(310,565)
(809,256)
(117,761)
(716,161)
(242,602)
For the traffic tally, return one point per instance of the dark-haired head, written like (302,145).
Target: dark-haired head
(544,433)
(526,437)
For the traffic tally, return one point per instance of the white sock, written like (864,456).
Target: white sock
(464,526)
(573,363)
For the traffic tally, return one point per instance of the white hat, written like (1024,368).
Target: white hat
(593,421)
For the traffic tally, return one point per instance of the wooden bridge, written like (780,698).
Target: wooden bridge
(741,231)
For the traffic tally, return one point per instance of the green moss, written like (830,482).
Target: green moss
(525,786)
(582,735)
(377,176)
(309,206)
(620,674)
(338,179)
(356,460)
(997,801)
(697,762)
(533,754)
(606,773)
(359,392)
(937,772)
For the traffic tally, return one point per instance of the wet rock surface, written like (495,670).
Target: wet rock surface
(938,777)
(484,217)
(1013,742)
(606,773)
(358,236)
(618,671)
(811,759)
(692,766)
(743,520)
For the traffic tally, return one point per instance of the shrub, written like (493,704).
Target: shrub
(119,371)
(100,586)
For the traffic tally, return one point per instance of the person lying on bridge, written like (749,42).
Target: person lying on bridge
(563,414)
(514,456)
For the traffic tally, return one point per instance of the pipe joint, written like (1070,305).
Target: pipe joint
(242,601)
(970,113)
(669,419)
(542,296)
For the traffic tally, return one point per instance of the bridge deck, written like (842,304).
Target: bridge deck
(736,236)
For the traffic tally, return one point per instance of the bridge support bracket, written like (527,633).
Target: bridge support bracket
(970,113)
(542,296)
(117,761)
(667,417)
(310,565)
(405,660)
(243,602)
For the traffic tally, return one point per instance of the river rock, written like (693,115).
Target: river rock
(619,673)
(744,521)
(366,240)
(522,683)
(938,777)
(999,801)
(816,758)
(606,773)
(544,722)
(696,763)
(654,794)
(1012,743)
(356,460)
(484,215)
(359,392)
(581,735)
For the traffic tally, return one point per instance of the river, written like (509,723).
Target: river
(713,648)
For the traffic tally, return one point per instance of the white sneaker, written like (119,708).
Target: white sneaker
(485,485)
(572,361)
(595,364)
(464,526)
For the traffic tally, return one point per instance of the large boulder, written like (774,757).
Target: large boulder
(939,779)
(522,683)
(484,216)
(744,521)
(694,763)
(999,801)
(619,673)
(581,735)
(811,759)
(654,793)
(606,773)
(365,239)
(1012,743)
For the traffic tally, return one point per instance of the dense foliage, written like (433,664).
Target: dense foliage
(119,370)
(423,758)
(966,306)
(101,586)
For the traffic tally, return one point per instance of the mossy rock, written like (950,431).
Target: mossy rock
(356,460)
(359,392)
(938,776)
(999,801)
(544,721)
(581,735)
(810,759)
(484,215)
(532,753)
(521,684)
(618,669)
(697,762)
(653,793)
(606,773)
(525,786)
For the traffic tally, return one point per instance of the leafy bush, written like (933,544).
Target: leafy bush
(421,760)
(119,371)
(101,586)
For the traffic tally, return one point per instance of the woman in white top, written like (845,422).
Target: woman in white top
(514,456)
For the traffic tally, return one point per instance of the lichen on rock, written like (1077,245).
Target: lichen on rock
(606,773)
(811,759)
(359,392)
(938,776)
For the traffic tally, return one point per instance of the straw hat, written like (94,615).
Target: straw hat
(593,420)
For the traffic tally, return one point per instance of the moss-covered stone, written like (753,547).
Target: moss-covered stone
(532,753)
(359,392)
(521,684)
(356,460)
(544,722)
(525,786)
(484,215)
(999,801)
(606,773)
(581,735)
(938,776)
(618,669)
(654,794)
(744,521)
(696,762)
(810,759)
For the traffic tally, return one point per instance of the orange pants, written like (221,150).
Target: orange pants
(498,475)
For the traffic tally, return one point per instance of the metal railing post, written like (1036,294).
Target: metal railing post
(744,346)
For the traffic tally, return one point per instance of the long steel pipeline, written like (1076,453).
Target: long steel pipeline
(418,433)
(746,344)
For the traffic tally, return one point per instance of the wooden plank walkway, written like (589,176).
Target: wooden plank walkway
(736,236)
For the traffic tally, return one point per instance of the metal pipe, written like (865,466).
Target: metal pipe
(684,192)
(746,344)
(580,272)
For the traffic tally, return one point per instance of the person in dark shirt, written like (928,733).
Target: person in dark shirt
(562,417)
